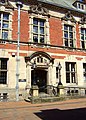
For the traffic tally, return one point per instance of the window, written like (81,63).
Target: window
(38,30)
(4,25)
(3,71)
(83,38)
(70,72)
(80,6)
(68,36)
(84,71)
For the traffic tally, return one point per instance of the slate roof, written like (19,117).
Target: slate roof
(63,3)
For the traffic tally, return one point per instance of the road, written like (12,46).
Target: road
(74,109)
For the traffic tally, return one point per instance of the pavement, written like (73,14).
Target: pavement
(63,110)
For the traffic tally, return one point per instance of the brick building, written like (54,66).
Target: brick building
(52,33)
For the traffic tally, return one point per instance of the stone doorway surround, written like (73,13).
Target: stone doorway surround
(43,62)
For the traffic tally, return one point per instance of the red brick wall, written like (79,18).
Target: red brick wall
(77,36)
(55,31)
(24,26)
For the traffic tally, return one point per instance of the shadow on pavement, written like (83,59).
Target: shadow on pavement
(57,114)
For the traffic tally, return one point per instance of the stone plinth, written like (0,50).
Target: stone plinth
(61,90)
(35,91)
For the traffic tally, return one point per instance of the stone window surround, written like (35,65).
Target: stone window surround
(74,29)
(9,11)
(71,72)
(83,26)
(47,39)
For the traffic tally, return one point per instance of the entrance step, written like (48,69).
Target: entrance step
(43,95)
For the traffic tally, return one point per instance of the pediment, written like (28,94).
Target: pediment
(39,55)
(39,9)
(69,16)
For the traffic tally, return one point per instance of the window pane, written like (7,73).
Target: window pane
(83,45)
(42,30)
(67,77)
(73,77)
(67,67)
(82,37)
(70,28)
(42,39)
(65,27)
(35,38)
(72,67)
(3,77)
(4,64)
(66,42)
(35,21)
(82,30)
(41,23)
(5,35)
(35,29)
(66,34)
(71,35)
(5,16)
(5,25)
(71,43)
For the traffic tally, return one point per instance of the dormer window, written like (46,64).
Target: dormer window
(80,4)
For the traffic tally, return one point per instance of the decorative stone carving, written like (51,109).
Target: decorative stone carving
(83,20)
(39,9)
(6,4)
(46,59)
(69,16)
(3,2)
(2,8)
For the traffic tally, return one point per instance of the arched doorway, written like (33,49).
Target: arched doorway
(38,67)
(40,77)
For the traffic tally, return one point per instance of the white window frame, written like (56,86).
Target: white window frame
(2,30)
(83,41)
(46,31)
(69,39)
(38,32)
(71,71)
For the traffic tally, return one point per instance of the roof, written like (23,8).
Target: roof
(63,3)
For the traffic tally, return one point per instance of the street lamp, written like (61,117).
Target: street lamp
(34,67)
(59,71)
(19,6)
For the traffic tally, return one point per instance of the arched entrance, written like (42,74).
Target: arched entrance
(40,77)
(39,69)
